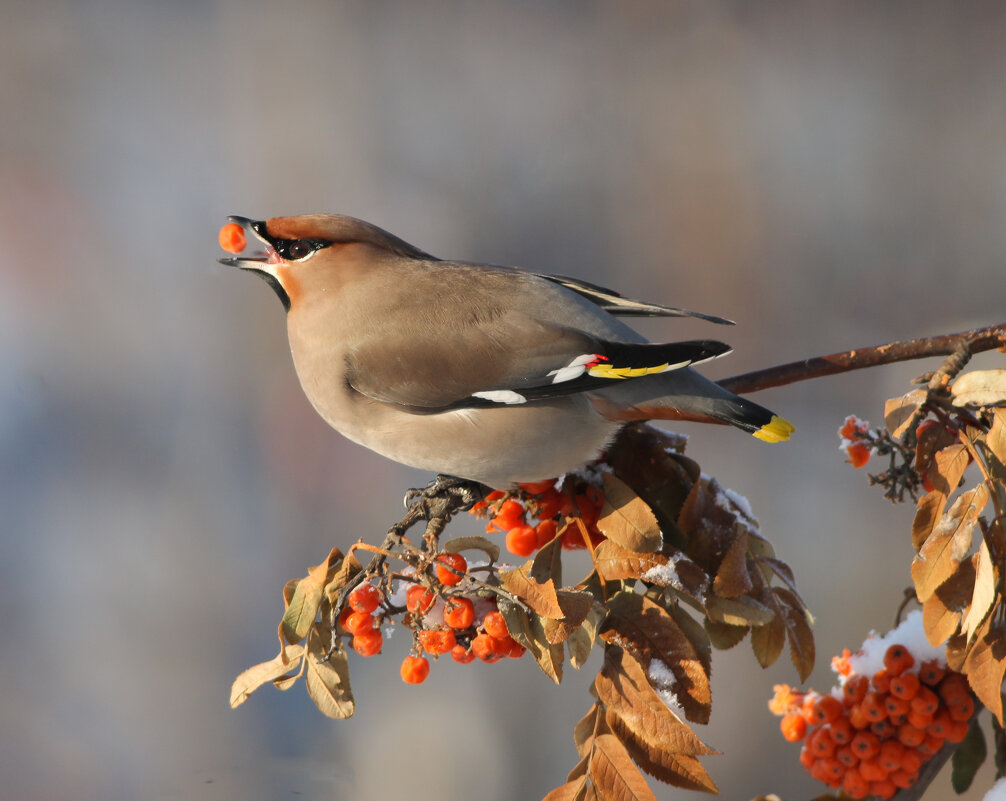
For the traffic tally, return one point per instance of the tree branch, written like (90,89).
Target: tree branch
(975,340)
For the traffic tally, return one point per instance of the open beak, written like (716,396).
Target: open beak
(260,259)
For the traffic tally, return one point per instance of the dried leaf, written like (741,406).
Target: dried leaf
(898,412)
(487,546)
(302,608)
(968,757)
(654,638)
(985,666)
(540,596)
(979,388)
(927,514)
(928,443)
(575,606)
(984,592)
(612,770)
(626,519)
(732,578)
(327,680)
(942,553)
(254,677)
(549,656)
(585,728)
(547,563)
(948,468)
(348,568)
(696,635)
(570,791)
(801,639)
(743,611)
(767,641)
(712,520)
(624,687)
(942,611)
(725,636)
(581,642)
(614,562)
(995,440)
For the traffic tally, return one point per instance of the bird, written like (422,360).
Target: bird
(490,374)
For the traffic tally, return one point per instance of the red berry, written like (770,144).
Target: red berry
(793,727)
(859,454)
(418,599)
(459,613)
(898,659)
(451,568)
(437,641)
(484,646)
(545,532)
(357,622)
(461,654)
(495,625)
(415,669)
(522,540)
(364,598)
(537,487)
(368,642)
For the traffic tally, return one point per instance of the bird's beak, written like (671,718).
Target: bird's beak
(261,259)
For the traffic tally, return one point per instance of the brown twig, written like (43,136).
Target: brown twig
(975,340)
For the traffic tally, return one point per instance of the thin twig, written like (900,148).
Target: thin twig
(976,341)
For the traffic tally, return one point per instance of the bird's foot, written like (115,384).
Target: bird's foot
(457,494)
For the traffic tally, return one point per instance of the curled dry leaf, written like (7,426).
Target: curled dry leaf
(979,388)
(303,603)
(327,679)
(626,519)
(677,571)
(985,592)
(948,545)
(459,544)
(942,611)
(899,412)
(985,665)
(254,677)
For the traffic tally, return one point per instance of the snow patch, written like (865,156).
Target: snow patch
(910,633)
(997,793)
(663,682)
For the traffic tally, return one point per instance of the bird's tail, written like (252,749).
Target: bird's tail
(687,395)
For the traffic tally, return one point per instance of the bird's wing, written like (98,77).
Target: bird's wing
(513,360)
(614,303)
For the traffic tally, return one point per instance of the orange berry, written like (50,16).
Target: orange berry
(854,784)
(905,686)
(859,453)
(857,718)
(930,745)
(415,669)
(873,707)
(807,759)
(958,731)
(884,729)
(368,642)
(793,727)
(820,743)
(826,709)
(545,532)
(437,641)
(910,736)
(883,789)
(357,622)
(896,707)
(537,487)
(418,599)
(845,757)
(841,730)
(495,626)
(461,654)
(881,681)
(854,690)
(931,673)
(572,539)
(865,745)
(484,647)
(840,664)
(961,707)
(522,540)
(852,427)
(451,568)
(919,719)
(892,753)
(516,649)
(872,770)
(459,613)
(232,238)
(901,778)
(925,702)
(828,770)
(511,514)
(783,699)
(495,495)
(911,761)
(897,659)
(940,727)
(807,707)
(364,598)
(953,684)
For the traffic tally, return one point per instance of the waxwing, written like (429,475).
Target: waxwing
(486,373)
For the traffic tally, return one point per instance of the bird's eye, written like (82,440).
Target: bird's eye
(298,250)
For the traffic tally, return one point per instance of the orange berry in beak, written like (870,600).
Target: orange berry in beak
(232,238)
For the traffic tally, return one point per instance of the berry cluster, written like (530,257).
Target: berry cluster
(872,734)
(444,619)
(532,517)
(856,440)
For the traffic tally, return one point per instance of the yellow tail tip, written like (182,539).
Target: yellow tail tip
(776,430)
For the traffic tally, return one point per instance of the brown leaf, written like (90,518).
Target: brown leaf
(948,468)
(743,611)
(985,666)
(797,622)
(303,603)
(712,521)
(724,636)
(581,641)
(995,440)
(570,791)
(931,440)
(341,575)
(733,579)
(626,519)
(614,562)
(540,596)
(547,563)
(979,388)
(327,680)
(549,656)
(575,606)
(677,770)
(484,544)
(927,514)
(612,770)
(654,638)
(767,641)
(585,728)
(942,553)
(898,412)
(984,594)
(696,634)
(942,611)
(624,687)
(253,678)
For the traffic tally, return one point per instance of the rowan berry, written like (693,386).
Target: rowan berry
(368,642)
(364,598)
(508,646)
(511,513)
(537,487)
(852,427)
(357,622)
(925,702)
(901,778)
(418,599)
(820,743)
(871,770)
(415,669)
(437,641)
(883,788)
(232,238)
(859,454)
(845,756)
(459,613)
(885,729)
(854,784)
(484,646)
(828,770)
(522,540)
(855,689)
(495,625)
(826,709)
(896,707)
(930,673)
(911,761)
(461,654)
(940,725)
(898,659)
(865,745)
(857,718)
(545,532)
(892,753)
(905,686)
(958,731)
(793,727)
(841,730)
(572,538)
(451,568)
(910,736)
(930,745)
(881,681)
(953,685)
(873,707)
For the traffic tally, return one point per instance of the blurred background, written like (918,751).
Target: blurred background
(829,176)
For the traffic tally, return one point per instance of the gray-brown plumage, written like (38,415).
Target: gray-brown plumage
(487,373)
